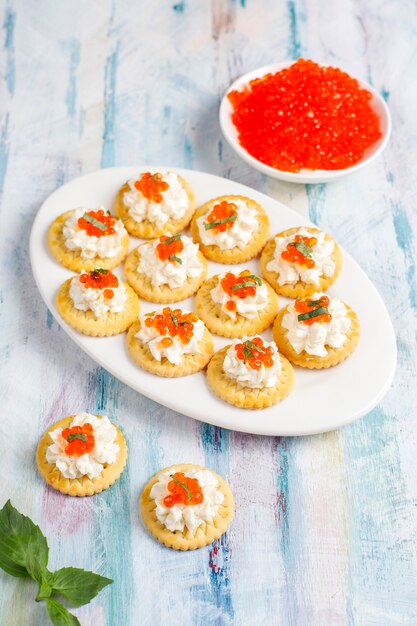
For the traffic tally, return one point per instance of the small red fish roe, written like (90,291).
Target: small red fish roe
(100,279)
(80,439)
(306,306)
(101,225)
(296,252)
(255,354)
(151,186)
(174,323)
(169,247)
(305,117)
(183,490)
(242,286)
(221,217)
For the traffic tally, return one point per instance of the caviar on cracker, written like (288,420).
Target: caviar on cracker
(305,117)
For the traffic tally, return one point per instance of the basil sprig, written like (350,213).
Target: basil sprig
(321,310)
(302,247)
(24,553)
(224,220)
(94,222)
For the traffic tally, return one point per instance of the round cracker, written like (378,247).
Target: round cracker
(72,259)
(87,323)
(236,254)
(146,229)
(83,486)
(190,363)
(244,397)
(334,355)
(218,322)
(205,534)
(299,289)
(163,294)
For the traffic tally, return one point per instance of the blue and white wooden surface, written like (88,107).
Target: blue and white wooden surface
(325,531)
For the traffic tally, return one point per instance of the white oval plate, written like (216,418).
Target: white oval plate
(304,176)
(321,400)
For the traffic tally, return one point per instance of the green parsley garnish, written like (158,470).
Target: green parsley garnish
(322,310)
(100,271)
(224,220)
(184,486)
(94,222)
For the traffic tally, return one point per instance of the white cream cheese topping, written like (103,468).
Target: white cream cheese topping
(168,272)
(174,353)
(313,338)
(239,235)
(175,201)
(248,307)
(181,516)
(291,273)
(240,372)
(91,464)
(87,298)
(90,246)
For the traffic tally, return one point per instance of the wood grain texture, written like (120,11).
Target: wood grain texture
(325,530)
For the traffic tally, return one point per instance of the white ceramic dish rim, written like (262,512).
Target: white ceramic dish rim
(44,268)
(305,176)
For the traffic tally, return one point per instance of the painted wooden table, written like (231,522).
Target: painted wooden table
(325,531)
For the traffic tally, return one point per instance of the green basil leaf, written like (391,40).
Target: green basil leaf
(23,547)
(59,615)
(78,586)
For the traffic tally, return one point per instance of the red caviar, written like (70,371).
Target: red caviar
(183,490)
(173,323)
(169,248)
(152,186)
(221,217)
(242,286)
(305,116)
(97,223)
(301,253)
(101,279)
(255,354)
(311,311)
(80,439)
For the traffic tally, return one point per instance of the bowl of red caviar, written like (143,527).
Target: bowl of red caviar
(302,122)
